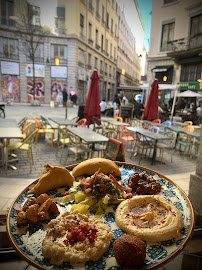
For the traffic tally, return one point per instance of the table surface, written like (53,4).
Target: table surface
(114,122)
(150,134)
(179,129)
(9,129)
(87,135)
(63,121)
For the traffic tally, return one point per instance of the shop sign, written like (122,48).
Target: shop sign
(58,72)
(81,74)
(11,68)
(188,85)
(39,70)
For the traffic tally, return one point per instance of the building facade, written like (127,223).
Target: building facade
(83,35)
(175,55)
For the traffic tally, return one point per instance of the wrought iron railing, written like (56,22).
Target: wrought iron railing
(61,60)
(9,55)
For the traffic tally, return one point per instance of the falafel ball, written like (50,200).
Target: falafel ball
(130,251)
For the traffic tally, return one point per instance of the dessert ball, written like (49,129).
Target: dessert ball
(130,251)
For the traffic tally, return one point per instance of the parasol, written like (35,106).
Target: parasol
(189,93)
(92,106)
(151,109)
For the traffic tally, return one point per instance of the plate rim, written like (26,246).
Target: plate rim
(163,262)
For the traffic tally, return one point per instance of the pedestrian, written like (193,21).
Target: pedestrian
(103,106)
(65,97)
(125,100)
(138,109)
(73,97)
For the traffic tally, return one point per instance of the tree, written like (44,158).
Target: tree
(30,31)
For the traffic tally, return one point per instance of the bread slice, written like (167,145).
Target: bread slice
(90,166)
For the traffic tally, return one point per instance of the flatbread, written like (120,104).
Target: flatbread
(90,166)
(52,177)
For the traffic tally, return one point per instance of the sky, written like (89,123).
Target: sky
(145,8)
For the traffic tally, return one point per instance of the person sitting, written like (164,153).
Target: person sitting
(103,106)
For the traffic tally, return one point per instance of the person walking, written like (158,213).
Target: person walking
(73,97)
(65,97)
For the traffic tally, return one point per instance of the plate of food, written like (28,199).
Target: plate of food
(100,214)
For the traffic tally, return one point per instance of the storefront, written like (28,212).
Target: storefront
(58,82)
(39,93)
(10,81)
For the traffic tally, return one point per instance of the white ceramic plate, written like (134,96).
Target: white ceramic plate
(28,242)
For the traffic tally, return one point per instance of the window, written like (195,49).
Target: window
(105,69)
(107,20)
(101,65)
(7,10)
(82,25)
(38,54)
(97,9)
(167,36)
(34,15)
(89,60)
(9,48)
(115,31)
(97,39)
(60,20)
(190,72)
(110,71)
(112,22)
(103,14)
(90,4)
(111,50)
(196,25)
(106,46)
(102,43)
(95,62)
(90,33)
(59,51)
(114,53)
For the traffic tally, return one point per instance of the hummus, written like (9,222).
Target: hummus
(152,218)
(75,238)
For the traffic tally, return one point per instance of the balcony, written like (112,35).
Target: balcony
(185,46)
(62,61)
(7,22)
(90,42)
(36,59)
(9,56)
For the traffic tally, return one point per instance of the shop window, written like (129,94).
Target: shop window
(60,20)
(9,48)
(59,51)
(190,72)
(7,10)
(34,15)
(167,36)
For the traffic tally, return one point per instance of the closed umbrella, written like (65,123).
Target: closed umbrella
(92,106)
(151,109)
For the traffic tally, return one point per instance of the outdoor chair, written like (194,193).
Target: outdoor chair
(146,124)
(185,142)
(118,118)
(82,122)
(136,123)
(75,119)
(63,139)
(142,143)
(26,129)
(190,123)
(109,129)
(168,144)
(41,129)
(97,125)
(158,121)
(77,147)
(167,123)
(2,152)
(25,145)
(189,129)
(22,122)
(126,136)
(47,123)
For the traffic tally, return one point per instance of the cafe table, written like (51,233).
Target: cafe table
(152,135)
(63,121)
(180,129)
(9,129)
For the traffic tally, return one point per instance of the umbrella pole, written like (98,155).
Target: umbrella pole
(173,106)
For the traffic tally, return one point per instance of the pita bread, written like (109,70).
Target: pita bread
(52,177)
(90,166)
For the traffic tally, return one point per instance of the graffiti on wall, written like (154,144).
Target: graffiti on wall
(57,86)
(10,85)
(39,90)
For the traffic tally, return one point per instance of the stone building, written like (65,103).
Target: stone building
(175,55)
(83,35)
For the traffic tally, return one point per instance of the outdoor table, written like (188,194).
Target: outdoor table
(179,124)
(63,121)
(180,129)
(154,136)
(9,129)
(115,123)
(88,135)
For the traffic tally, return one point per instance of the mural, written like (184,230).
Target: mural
(10,85)
(39,90)
(57,86)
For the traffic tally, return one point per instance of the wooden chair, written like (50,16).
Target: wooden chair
(63,139)
(82,122)
(25,145)
(41,129)
(118,118)
(158,121)
(22,122)
(126,136)
(167,145)
(26,129)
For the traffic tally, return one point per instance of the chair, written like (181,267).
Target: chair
(142,143)
(127,136)
(63,139)
(118,118)
(82,122)
(75,119)
(146,124)
(47,124)
(41,129)
(25,145)
(185,140)
(189,129)
(22,122)
(26,129)
(2,152)
(136,123)
(97,125)
(167,123)
(190,123)
(154,129)
(158,121)
(168,145)
(109,129)
(77,147)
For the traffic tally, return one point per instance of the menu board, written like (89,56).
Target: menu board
(114,150)
(126,112)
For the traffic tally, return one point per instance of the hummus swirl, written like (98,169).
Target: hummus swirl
(55,249)
(152,218)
